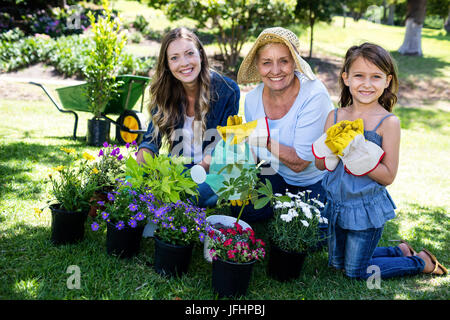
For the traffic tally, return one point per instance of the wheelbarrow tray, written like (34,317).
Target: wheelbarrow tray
(128,93)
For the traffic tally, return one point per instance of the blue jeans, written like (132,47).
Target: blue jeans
(355,251)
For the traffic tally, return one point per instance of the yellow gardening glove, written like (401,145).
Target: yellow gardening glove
(257,131)
(342,133)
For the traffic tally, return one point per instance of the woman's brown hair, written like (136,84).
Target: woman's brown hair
(383,60)
(167,92)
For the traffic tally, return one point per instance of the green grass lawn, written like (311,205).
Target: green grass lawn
(334,40)
(32,133)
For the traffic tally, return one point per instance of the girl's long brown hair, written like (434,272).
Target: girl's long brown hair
(167,92)
(383,60)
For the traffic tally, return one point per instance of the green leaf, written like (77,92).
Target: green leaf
(261,203)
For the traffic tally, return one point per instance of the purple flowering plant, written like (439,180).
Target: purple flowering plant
(125,207)
(180,223)
(110,164)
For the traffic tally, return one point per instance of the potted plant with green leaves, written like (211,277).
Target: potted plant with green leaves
(180,225)
(177,224)
(293,232)
(108,166)
(71,190)
(125,215)
(101,71)
(242,189)
(234,250)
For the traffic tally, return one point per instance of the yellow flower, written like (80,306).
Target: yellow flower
(88,156)
(94,171)
(68,150)
(37,211)
(58,168)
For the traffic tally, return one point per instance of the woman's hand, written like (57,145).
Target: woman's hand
(206,162)
(140,155)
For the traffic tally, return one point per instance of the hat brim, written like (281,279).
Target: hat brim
(248,72)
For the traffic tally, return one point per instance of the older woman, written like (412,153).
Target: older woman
(292,106)
(189,101)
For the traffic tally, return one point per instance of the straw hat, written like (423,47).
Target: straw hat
(248,73)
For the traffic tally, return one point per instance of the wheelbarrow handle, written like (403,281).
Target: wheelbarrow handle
(122,127)
(59,108)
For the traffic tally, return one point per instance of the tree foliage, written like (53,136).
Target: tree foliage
(231,21)
(311,11)
(440,8)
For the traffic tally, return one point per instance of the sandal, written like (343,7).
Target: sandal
(436,263)
(411,249)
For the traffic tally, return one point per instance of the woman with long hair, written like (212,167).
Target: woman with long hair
(188,102)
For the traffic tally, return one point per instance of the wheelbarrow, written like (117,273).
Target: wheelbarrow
(129,124)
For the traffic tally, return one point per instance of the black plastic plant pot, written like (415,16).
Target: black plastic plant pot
(67,226)
(284,265)
(97,132)
(171,260)
(124,243)
(230,279)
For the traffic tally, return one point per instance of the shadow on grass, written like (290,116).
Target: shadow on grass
(17,161)
(432,229)
(419,66)
(441,36)
(429,119)
(33,268)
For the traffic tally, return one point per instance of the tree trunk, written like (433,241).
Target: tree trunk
(311,42)
(344,9)
(390,20)
(412,43)
(447,23)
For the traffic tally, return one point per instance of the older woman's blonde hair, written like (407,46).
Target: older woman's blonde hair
(167,92)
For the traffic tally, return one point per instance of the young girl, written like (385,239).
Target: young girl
(359,205)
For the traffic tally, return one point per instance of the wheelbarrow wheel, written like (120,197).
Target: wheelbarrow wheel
(132,120)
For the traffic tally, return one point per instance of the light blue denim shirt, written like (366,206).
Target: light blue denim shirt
(299,128)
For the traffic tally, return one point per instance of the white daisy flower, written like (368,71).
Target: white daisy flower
(305,223)
(292,212)
(307,212)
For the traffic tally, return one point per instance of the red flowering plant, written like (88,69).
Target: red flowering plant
(236,245)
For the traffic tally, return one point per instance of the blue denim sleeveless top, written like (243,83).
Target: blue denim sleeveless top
(357,203)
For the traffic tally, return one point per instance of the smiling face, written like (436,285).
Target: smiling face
(184,60)
(366,81)
(275,66)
